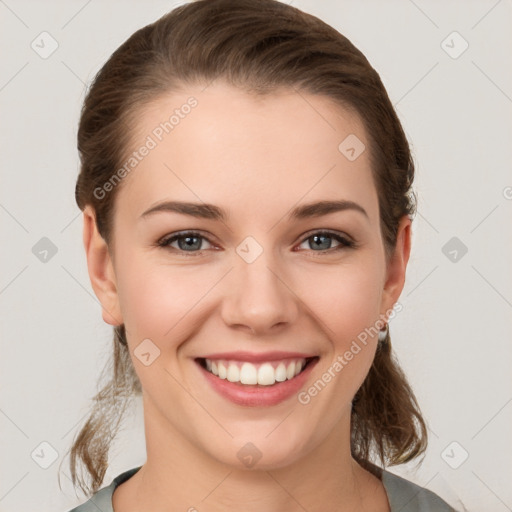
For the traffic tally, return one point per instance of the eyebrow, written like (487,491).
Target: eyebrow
(212,212)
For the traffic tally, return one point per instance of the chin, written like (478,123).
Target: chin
(262,452)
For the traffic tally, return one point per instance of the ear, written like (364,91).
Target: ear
(396,267)
(101,270)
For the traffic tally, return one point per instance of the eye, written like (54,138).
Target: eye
(323,240)
(188,241)
(192,242)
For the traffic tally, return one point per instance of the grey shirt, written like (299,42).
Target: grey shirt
(403,495)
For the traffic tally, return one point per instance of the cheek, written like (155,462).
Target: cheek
(158,301)
(346,299)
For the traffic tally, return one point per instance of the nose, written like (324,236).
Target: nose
(257,297)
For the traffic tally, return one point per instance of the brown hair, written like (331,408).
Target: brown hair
(257,46)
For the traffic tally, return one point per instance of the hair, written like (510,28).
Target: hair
(257,46)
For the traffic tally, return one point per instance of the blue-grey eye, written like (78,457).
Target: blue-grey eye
(187,242)
(323,241)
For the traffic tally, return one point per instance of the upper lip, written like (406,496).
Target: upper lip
(254,357)
(257,357)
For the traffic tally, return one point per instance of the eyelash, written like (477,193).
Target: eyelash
(345,243)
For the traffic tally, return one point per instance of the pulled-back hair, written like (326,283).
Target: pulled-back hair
(257,46)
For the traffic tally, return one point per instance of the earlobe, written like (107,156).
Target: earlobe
(397,266)
(100,268)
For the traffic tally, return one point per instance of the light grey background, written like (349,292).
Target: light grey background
(453,337)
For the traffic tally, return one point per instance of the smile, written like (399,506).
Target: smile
(264,374)
(263,382)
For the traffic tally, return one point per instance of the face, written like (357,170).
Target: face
(256,286)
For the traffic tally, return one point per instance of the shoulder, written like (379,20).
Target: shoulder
(102,499)
(406,496)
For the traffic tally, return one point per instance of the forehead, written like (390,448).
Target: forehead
(221,144)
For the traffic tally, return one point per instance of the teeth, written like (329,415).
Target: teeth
(290,371)
(264,374)
(248,374)
(223,373)
(233,374)
(281,373)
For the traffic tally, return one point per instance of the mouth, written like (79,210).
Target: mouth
(256,384)
(256,375)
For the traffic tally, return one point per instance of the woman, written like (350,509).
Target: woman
(246,191)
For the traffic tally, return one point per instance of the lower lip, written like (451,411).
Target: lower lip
(257,395)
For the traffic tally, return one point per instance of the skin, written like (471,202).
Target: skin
(256,158)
